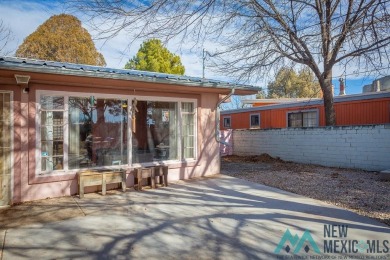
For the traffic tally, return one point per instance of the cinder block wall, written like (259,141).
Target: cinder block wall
(362,147)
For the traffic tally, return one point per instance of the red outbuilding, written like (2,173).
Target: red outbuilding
(357,109)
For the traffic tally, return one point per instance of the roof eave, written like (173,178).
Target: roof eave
(131,76)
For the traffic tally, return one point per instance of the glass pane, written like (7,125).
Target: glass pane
(5,148)
(52,118)
(295,120)
(5,101)
(310,119)
(255,120)
(5,161)
(189,153)
(49,133)
(50,148)
(97,132)
(188,124)
(187,107)
(51,163)
(52,133)
(2,106)
(188,142)
(52,103)
(226,122)
(188,132)
(5,134)
(154,131)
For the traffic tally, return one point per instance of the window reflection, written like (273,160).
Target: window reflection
(188,130)
(86,132)
(52,135)
(155,135)
(97,132)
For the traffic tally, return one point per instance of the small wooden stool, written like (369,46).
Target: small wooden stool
(162,173)
(145,173)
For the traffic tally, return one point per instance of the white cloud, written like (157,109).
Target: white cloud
(22,19)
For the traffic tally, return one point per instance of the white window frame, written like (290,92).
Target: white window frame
(303,111)
(12,142)
(250,120)
(179,125)
(129,99)
(230,121)
(38,129)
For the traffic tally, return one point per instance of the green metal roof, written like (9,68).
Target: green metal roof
(63,68)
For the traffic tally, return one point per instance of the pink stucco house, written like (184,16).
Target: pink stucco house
(58,118)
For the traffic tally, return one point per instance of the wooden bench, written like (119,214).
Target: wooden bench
(92,178)
(150,173)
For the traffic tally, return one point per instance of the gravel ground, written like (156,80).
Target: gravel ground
(355,190)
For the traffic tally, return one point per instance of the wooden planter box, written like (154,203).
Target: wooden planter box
(93,178)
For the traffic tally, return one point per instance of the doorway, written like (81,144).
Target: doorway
(5,148)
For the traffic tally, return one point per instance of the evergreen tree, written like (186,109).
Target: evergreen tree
(61,38)
(153,56)
(290,84)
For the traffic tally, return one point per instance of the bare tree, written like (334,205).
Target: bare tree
(235,103)
(5,37)
(258,36)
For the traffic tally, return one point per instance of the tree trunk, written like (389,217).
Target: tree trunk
(326,86)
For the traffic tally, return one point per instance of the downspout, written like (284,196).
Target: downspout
(217,118)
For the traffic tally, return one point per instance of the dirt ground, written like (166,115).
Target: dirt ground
(356,190)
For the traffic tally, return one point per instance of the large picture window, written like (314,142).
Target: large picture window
(78,132)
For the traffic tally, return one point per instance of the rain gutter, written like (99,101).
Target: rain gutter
(217,118)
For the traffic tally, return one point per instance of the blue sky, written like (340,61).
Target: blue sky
(23,17)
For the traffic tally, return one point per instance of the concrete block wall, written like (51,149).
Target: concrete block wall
(361,147)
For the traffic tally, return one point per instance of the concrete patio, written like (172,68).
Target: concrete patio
(210,218)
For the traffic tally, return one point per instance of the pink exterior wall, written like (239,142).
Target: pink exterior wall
(29,186)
